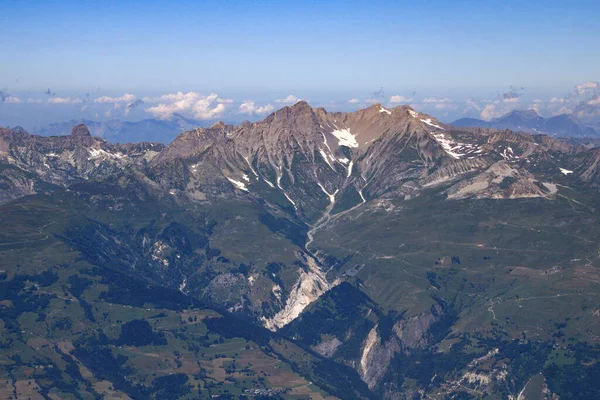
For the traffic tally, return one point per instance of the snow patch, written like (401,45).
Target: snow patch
(245,177)
(447,144)
(331,196)
(289,199)
(343,160)
(324,155)
(565,171)
(238,184)
(350,169)
(345,138)
(100,153)
(250,165)
(361,196)
(428,122)
(383,110)
(268,183)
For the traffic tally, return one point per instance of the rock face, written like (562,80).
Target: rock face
(309,287)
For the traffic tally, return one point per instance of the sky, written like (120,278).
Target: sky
(236,60)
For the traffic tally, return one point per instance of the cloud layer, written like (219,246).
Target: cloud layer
(250,108)
(189,104)
(290,99)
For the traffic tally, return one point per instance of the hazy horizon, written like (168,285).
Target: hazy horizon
(242,60)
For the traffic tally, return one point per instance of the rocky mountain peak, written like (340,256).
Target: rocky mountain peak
(300,106)
(218,125)
(80,130)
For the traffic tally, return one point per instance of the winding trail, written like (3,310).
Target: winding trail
(32,240)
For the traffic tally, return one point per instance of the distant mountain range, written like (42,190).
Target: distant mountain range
(116,131)
(529,121)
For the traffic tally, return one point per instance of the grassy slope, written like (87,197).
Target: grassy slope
(535,260)
(62,321)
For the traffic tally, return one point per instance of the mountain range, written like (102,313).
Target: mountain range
(563,125)
(313,254)
(116,131)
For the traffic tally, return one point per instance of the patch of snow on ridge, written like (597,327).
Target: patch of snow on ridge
(414,114)
(246,178)
(331,196)
(452,148)
(383,110)
(238,184)
(289,199)
(565,171)
(268,183)
(345,138)
(324,155)
(100,153)
(350,169)
(343,160)
(428,122)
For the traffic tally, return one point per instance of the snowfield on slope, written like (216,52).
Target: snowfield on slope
(238,184)
(345,138)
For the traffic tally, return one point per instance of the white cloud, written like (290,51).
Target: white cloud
(557,100)
(12,99)
(354,101)
(400,99)
(594,102)
(512,100)
(499,108)
(250,108)
(472,104)
(536,106)
(126,98)
(563,110)
(189,104)
(288,100)
(440,104)
(434,100)
(586,87)
(35,101)
(489,112)
(64,100)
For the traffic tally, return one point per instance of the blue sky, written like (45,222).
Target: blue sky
(328,52)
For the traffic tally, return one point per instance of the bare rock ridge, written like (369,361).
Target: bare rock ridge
(80,130)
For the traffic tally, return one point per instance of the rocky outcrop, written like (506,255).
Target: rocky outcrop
(376,357)
(311,284)
(412,332)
